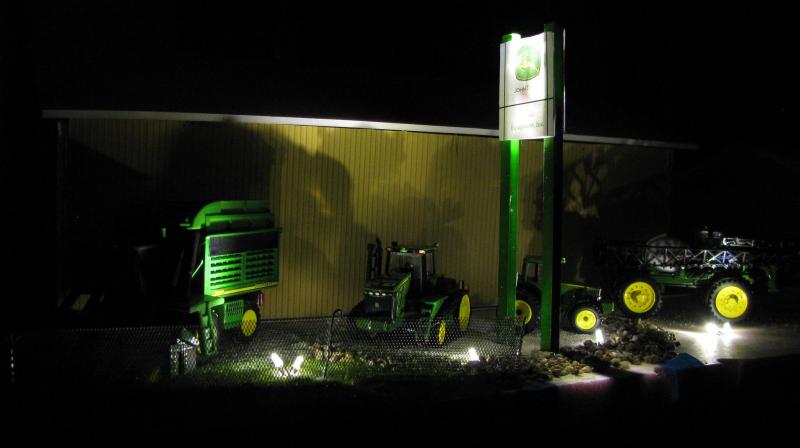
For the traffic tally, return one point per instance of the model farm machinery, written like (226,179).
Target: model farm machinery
(207,270)
(582,306)
(405,295)
(729,269)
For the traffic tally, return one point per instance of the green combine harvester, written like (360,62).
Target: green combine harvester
(408,296)
(235,247)
(209,268)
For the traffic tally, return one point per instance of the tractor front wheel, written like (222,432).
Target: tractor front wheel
(640,297)
(729,300)
(438,336)
(585,319)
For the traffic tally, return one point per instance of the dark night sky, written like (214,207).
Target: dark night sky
(716,75)
(674,71)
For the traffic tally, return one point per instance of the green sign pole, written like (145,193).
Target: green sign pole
(553,167)
(509,179)
(509,186)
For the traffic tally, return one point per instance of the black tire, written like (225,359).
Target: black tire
(535,308)
(248,327)
(729,299)
(639,297)
(585,319)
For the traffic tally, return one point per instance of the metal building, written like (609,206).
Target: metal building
(335,185)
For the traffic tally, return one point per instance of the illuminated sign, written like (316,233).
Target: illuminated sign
(526,88)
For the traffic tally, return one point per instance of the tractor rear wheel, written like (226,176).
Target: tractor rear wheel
(527,313)
(640,297)
(729,299)
(462,312)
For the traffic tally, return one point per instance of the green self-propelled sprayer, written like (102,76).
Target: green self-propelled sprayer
(408,292)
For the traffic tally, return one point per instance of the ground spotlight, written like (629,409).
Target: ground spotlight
(598,337)
(276,360)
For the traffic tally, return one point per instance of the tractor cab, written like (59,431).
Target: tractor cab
(417,261)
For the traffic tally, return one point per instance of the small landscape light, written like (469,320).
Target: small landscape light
(727,330)
(712,328)
(598,337)
(472,355)
(276,360)
(297,363)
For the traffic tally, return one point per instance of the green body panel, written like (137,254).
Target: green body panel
(397,287)
(698,280)
(567,288)
(229,268)
(241,214)
(533,262)
(232,314)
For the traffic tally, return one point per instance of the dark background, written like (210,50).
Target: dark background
(670,71)
(718,75)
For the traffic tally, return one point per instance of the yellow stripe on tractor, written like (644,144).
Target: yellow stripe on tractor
(223,292)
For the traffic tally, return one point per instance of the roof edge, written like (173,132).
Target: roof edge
(77,114)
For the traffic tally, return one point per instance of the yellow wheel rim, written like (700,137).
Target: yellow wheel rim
(442,333)
(524,312)
(197,336)
(731,302)
(249,323)
(586,320)
(463,313)
(639,297)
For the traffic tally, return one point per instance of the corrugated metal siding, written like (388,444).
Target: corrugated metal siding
(334,190)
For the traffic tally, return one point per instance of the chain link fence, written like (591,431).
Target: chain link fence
(332,349)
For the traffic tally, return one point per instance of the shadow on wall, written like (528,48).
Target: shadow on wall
(119,204)
(601,200)
(423,200)
(325,247)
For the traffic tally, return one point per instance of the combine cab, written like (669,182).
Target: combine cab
(407,290)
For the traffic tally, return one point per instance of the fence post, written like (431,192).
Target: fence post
(328,345)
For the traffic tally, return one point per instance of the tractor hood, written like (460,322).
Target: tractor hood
(387,285)
(588,290)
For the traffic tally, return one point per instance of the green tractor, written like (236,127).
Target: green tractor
(408,292)
(582,306)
